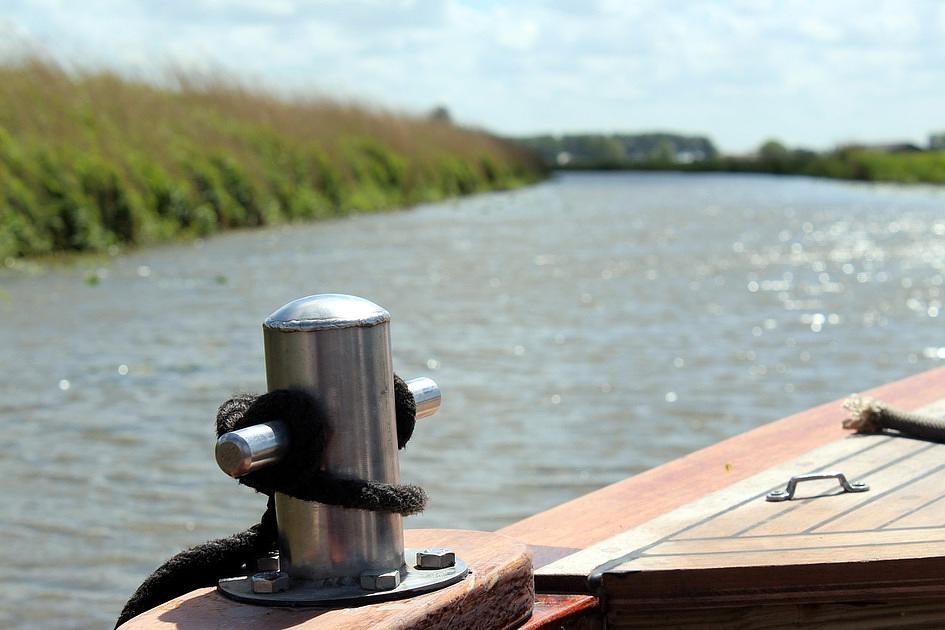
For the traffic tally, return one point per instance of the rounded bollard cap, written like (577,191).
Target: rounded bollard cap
(326,311)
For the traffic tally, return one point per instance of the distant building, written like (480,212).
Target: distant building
(688,157)
(617,150)
(937,141)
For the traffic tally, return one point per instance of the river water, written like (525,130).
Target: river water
(582,331)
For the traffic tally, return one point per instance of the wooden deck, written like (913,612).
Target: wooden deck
(616,508)
(695,542)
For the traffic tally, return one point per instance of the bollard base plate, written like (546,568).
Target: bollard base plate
(414,581)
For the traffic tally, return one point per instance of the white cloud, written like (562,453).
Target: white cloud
(811,72)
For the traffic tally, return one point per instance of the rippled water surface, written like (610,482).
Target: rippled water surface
(582,331)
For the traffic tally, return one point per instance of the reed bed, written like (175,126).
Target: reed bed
(91,161)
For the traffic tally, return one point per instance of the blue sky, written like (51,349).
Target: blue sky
(810,73)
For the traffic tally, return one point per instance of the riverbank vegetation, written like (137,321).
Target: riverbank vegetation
(900,163)
(90,162)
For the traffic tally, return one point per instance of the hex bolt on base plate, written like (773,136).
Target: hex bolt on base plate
(435,558)
(414,581)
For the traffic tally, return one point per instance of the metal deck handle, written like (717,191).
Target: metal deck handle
(788,493)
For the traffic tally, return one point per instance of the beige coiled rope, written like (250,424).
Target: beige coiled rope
(868,415)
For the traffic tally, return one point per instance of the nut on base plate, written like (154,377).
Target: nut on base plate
(269,582)
(435,558)
(413,581)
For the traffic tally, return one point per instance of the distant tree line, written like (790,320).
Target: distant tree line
(900,162)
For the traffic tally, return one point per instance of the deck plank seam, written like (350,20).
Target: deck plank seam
(785,549)
(879,495)
(777,515)
(595,575)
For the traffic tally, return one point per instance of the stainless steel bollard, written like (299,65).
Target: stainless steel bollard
(337,347)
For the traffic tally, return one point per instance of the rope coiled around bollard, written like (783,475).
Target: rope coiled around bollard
(296,475)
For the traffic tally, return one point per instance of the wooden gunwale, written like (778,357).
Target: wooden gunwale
(498,593)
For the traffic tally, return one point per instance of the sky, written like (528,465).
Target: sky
(810,73)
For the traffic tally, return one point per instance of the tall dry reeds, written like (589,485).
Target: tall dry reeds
(92,160)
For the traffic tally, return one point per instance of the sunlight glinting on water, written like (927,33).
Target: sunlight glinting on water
(581,331)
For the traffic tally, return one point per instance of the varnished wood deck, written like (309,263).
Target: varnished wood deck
(698,535)
(616,508)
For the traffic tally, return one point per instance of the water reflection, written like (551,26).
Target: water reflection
(581,331)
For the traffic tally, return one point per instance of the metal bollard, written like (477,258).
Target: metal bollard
(337,347)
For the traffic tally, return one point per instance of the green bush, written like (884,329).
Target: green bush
(20,230)
(458,177)
(105,191)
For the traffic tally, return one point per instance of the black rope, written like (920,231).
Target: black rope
(296,475)
(204,565)
(405,407)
